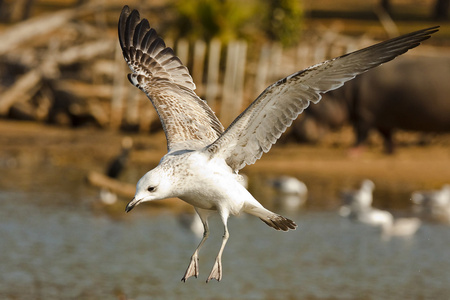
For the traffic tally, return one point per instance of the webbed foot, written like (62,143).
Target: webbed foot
(192,269)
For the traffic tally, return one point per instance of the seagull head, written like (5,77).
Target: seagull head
(154,185)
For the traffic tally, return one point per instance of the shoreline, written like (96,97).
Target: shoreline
(326,168)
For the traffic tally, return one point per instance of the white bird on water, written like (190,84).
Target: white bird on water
(358,206)
(202,163)
(433,203)
(291,193)
(357,200)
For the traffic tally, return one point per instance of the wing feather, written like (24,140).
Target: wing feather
(255,130)
(188,122)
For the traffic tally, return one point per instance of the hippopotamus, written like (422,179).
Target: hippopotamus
(411,93)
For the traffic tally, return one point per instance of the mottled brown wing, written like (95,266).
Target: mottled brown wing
(255,131)
(188,122)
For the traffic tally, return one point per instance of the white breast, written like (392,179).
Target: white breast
(211,184)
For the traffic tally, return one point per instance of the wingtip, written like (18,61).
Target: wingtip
(436,27)
(125,9)
(124,14)
(424,33)
(431,30)
(122,24)
(135,14)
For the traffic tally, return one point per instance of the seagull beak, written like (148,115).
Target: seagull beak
(132,204)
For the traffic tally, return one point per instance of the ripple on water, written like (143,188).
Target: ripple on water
(55,246)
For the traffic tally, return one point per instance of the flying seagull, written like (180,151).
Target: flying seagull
(203,161)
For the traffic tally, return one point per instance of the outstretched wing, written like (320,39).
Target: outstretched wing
(255,130)
(188,122)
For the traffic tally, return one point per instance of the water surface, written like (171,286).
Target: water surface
(57,244)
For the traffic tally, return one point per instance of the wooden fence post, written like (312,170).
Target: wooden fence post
(303,59)
(198,65)
(183,51)
(212,83)
(232,93)
(262,70)
(275,68)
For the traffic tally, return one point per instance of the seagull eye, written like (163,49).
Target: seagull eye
(151,189)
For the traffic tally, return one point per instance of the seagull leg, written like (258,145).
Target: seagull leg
(192,269)
(216,272)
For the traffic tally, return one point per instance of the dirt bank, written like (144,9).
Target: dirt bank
(326,168)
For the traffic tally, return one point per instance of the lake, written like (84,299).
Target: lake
(57,242)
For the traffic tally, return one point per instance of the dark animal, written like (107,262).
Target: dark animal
(117,165)
(411,93)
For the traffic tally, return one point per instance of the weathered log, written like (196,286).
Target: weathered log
(28,84)
(24,88)
(21,10)
(104,68)
(118,187)
(27,30)
(23,111)
(89,109)
(127,190)
(98,113)
(86,52)
(30,29)
(84,90)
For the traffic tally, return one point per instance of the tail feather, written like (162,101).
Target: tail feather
(272,219)
(279,222)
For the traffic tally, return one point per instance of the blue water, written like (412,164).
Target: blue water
(56,243)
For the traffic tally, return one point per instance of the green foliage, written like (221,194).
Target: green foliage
(284,20)
(277,20)
(213,18)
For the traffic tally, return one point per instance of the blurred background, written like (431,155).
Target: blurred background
(364,173)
